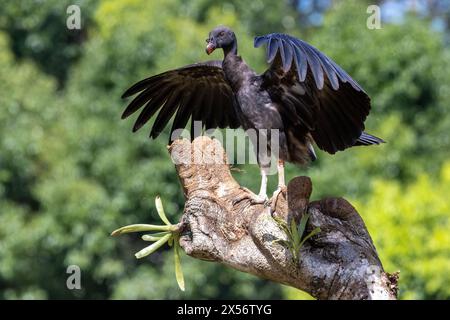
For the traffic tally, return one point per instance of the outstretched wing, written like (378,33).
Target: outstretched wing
(198,91)
(318,95)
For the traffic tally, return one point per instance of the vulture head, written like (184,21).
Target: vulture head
(221,37)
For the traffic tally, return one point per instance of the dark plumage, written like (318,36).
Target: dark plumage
(303,93)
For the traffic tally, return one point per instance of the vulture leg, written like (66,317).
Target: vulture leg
(280,167)
(261,198)
(281,182)
(263,189)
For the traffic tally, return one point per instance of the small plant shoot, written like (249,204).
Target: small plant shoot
(166,233)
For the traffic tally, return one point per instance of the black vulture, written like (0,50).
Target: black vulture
(304,94)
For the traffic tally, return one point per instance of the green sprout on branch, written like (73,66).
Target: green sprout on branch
(167,233)
(295,234)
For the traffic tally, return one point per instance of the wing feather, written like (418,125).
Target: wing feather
(199,91)
(313,92)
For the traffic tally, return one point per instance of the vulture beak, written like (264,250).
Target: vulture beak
(210,48)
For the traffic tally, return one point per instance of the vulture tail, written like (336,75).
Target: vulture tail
(366,140)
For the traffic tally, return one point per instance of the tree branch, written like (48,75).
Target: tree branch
(220,223)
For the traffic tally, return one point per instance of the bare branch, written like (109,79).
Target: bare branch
(220,223)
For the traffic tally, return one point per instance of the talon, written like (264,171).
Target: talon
(281,189)
(260,199)
(254,199)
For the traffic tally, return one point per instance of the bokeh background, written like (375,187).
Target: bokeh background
(71,171)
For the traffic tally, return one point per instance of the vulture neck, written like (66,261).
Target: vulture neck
(236,70)
(230,50)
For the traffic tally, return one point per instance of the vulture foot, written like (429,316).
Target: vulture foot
(276,194)
(249,195)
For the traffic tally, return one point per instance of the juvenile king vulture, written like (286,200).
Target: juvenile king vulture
(304,94)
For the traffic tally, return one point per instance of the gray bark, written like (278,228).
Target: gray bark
(221,223)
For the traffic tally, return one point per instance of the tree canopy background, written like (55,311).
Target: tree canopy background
(71,171)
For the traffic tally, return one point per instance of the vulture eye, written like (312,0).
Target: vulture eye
(221,34)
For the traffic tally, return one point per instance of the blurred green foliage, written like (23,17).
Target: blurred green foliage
(410,227)
(71,171)
(37,32)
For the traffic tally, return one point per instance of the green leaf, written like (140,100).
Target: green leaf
(152,248)
(140,227)
(178,271)
(295,235)
(154,237)
(302,224)
(160,210)
(312,233)
(282,225)
(159,234)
